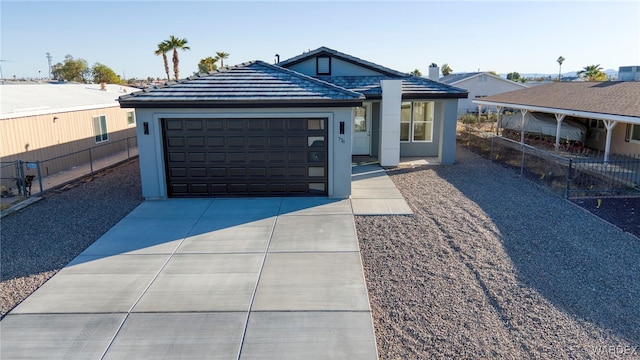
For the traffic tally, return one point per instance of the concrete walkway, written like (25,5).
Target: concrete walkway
(373,192)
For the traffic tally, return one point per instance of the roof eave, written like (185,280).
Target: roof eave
(568,112)
(240,104)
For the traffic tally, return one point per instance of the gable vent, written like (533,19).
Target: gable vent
(323,65)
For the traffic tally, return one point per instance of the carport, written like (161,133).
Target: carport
(613,102)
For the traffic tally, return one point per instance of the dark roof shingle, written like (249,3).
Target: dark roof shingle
(611,97)
(254,82)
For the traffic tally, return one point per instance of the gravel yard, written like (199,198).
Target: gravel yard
(39,240)
(492,266)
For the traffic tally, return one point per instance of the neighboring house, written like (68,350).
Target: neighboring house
(611,110)
(479,85)
(45,121)
(287,129)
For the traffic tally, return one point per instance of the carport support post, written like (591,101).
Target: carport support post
(559,118)
(524,116)
(609,125)
(498,118)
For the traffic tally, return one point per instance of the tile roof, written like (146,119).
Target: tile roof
(412,86)
(612,97)
(20,100)
(254,83)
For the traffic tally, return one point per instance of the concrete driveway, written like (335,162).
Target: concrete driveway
(206,278)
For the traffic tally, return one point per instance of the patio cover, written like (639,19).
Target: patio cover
(609,101)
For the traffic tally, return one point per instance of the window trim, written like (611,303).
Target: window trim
(131,124)
(318,65)
(631,128)
(104,133)
(411,123)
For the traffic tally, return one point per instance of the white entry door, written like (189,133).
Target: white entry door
(362,130)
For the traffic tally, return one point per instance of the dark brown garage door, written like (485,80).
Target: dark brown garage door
(249,157)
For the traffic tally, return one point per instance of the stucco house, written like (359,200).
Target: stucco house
(257,129)
(479,85)
(610,110)
(42,121)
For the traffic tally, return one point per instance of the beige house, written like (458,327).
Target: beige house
(49,122)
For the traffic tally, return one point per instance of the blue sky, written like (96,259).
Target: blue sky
(503,36)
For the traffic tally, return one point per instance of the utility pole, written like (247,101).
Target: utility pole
(49,58)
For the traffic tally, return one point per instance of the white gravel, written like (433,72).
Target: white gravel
(37,241)
(492,266)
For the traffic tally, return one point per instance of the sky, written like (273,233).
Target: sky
(502,36)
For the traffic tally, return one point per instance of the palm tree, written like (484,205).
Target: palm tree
(560,61)
(446,69)
(222,55)
(593,73)
(163,49)
(207,64)
(176,44)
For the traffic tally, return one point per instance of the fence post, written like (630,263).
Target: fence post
(128,153)
(39,177)
(90,162)
(22,187)
(566,190)
(522,162)
(491,151)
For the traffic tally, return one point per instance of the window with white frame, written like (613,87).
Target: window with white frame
(634,133)
(416,121)
(100,128)
(131,118)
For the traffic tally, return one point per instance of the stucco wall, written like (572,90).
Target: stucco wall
(152,166)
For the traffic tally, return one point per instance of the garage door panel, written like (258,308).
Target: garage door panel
(198,172)
(257,125)
(215,141)
(196,157)
(195,124)
(195,141)
(296,157)
(179,172)
(177,157)
(174,124)
(235,125)
(215,124)
(277,142)
(218,172)
(276,172)
(256,157)
(298,172)
(217,157)
(236,142)
(175,142)
(257,142)
(236,157)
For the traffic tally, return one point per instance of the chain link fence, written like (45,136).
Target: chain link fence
(22,179)
(569,176)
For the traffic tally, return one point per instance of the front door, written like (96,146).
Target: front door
(362,130)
